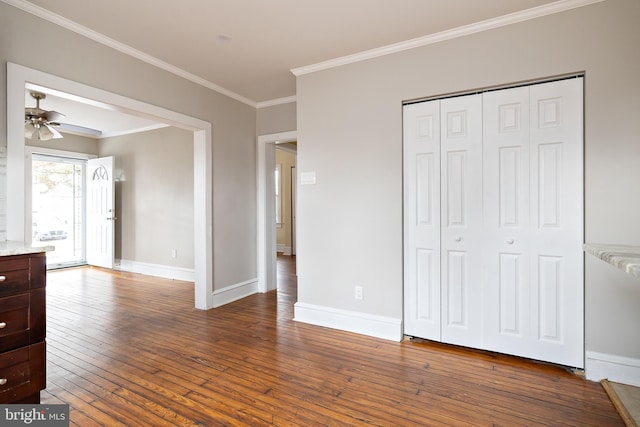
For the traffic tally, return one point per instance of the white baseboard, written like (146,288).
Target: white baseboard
(625,370)
(234,292)
(168,272)
(285,250)
(366,324)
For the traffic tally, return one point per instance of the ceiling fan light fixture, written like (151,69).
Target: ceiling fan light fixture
(29,131)
(43,124)
(38,122)
(40,132)
(44,133)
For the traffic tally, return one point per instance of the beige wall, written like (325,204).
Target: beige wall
(276,119)
(76,58)
(154,208)
(154,196)
(283,234)
(74,143)
(354,212)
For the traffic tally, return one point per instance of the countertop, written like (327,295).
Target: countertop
(20,248)
(626,258)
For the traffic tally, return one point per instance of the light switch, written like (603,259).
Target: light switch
(307,178)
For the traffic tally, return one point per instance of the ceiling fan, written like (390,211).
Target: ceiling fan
(41,124)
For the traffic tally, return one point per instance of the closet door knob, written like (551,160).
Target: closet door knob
(510,241)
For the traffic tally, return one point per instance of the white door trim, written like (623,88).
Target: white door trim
(18,76)
(294,212)
(266,219)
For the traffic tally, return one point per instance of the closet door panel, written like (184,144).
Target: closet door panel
(457,289)
(506,220)
(533,222)
(557,290)
(421,156)
(461,210)
(511,286)
(456,167)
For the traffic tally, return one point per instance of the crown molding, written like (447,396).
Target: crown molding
(121,47)
(536,12)
(278,101)
(489,24)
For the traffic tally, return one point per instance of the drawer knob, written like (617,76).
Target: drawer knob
(3,381)
(3,325)
(3,278)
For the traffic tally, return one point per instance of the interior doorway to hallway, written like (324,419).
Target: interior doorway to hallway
(284,199)
(285,187)
(267,251)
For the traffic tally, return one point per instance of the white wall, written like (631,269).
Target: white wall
(350,222)
(76,58)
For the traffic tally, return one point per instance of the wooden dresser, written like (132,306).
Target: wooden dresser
(22,326)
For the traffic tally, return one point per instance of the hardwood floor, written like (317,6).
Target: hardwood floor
(127,349)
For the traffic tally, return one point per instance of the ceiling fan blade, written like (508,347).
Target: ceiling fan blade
(52,116)
(54,132)
(77,129)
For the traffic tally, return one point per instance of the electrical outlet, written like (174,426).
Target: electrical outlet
(359,294)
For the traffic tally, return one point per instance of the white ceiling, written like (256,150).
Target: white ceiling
(247,49)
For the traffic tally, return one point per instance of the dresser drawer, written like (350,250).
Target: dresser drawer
(22,319)
(14,314)
(22,327)
(14,275)
(22,372)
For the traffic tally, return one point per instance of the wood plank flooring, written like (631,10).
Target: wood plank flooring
(130,350)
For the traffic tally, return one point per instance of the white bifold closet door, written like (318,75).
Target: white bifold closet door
(421,165)
(493,221)
(461,219)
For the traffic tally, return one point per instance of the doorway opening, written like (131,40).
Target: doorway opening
(267,250)
(284,199)
(17,221)
(58,208)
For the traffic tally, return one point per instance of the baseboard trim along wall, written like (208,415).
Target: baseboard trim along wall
(285,250)
(388,328)
(165,271)
(220,296)
(234,292)
(625,370)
